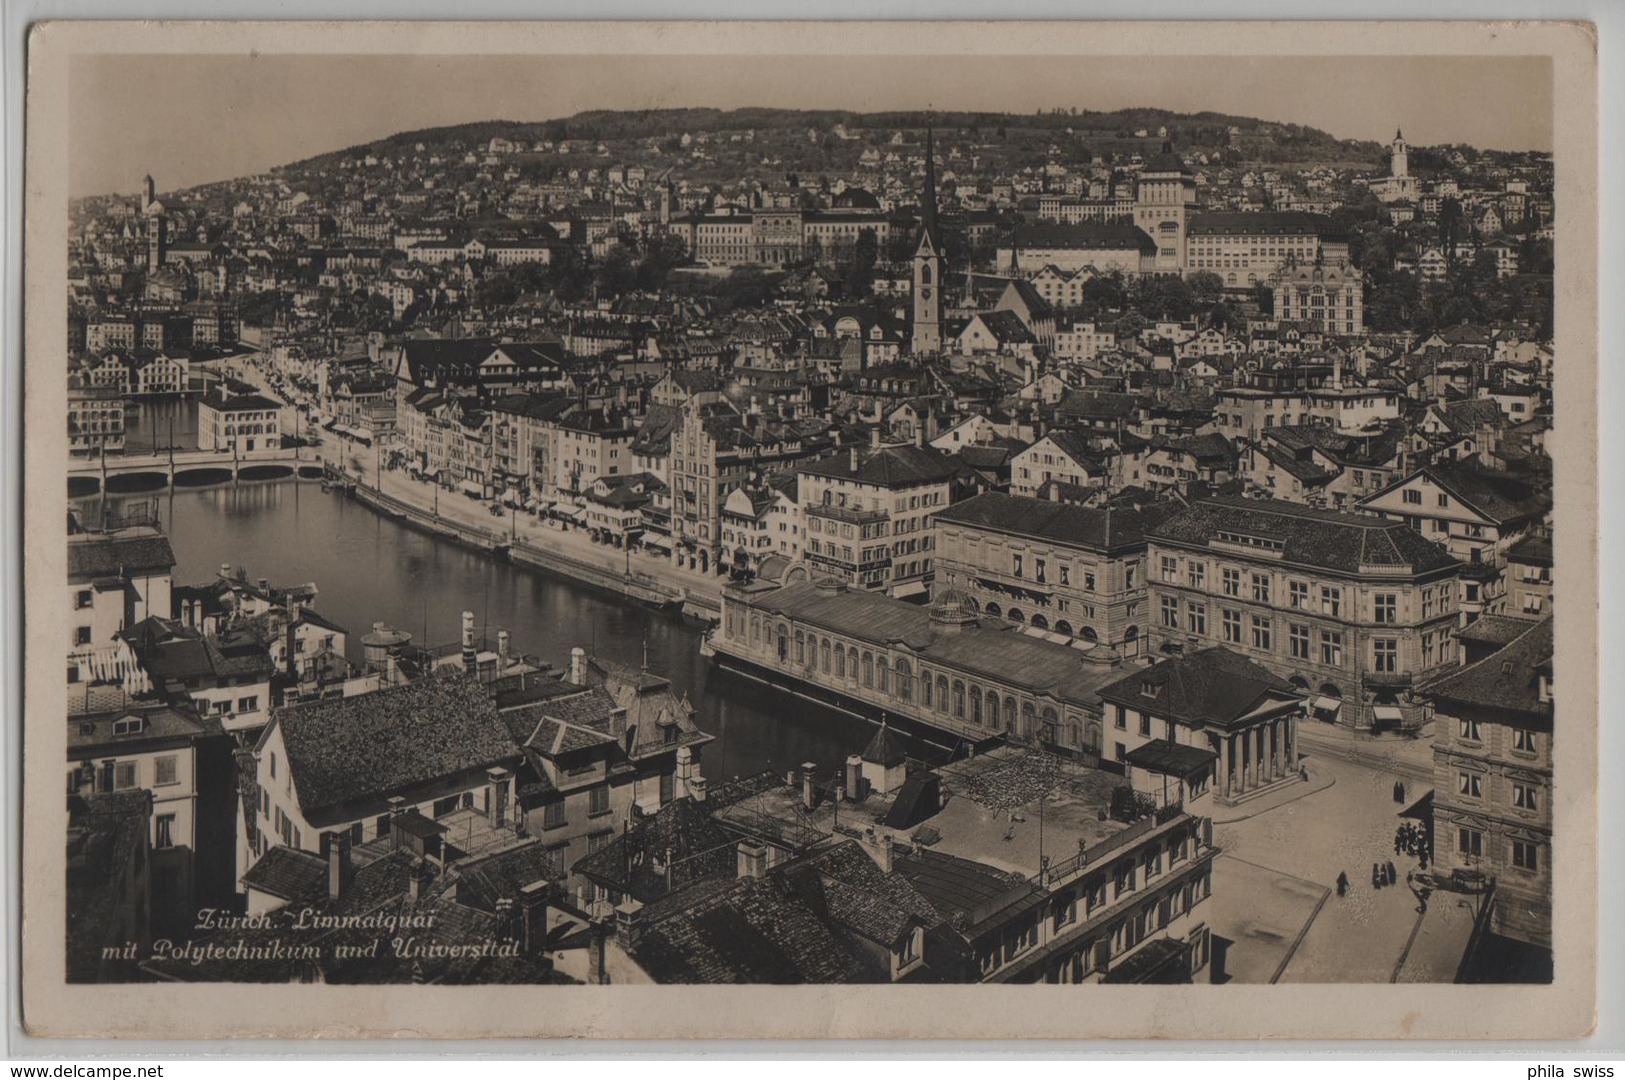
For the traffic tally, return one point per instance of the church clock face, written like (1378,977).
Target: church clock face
(925,294)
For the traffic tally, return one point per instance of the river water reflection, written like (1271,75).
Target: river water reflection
(371,568)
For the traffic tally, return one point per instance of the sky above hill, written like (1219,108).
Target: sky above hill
(191,120)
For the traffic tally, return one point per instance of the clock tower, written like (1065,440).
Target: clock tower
(926,333)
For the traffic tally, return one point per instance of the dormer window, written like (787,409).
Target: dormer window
(1545,690)
(1150,689)
(129,725)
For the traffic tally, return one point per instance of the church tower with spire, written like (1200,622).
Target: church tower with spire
(926,333)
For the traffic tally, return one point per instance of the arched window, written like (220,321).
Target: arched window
(942,692)
(801,647)
(959,700)
(993,609)
(840,661)
(883,669)
(1092,737)
(1040,622)
(868,669)
(1010,713)
(784,643)
(1063,627)
(925,273)
(823,656)
(852,664)
(905,681)
(755,629)
(925,688)
(992,710)
(1089,634)
(1015,615)
(1029,721)
(976,705)
(1052,725)
(1131,641)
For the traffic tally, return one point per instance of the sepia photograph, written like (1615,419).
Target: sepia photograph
(859,511)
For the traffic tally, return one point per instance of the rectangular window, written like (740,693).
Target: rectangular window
(553,815)
(164,831)
(1413,497)
(1038,571)
(1331,648)
(1298,594)
(1196,572)
(1170,568)
(1386,607)
(1066,575)
(1231,581)
(1170,612)
(1089,581)
(1525,797)
(1261,588)
(1261,632)
(1525,856)
(1470,785)
(1015,565)
(1196,618)
(1470,731)
(85,598)
(1429,648)
(1331,600)
(1470,842)
(251,703)
(1298,641)
(1232,626)
(165,771)
(598,800)
(1122,719)
(123,775)
(1522,741)
(1427,603)
(1385,656)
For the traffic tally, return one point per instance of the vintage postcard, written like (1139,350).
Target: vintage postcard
(810,530)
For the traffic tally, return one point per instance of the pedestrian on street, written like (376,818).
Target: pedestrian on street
(1399,791)
(1376,876)
(1393,874)
(1342,883)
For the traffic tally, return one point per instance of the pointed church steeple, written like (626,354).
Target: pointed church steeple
(926,333)
(928,198)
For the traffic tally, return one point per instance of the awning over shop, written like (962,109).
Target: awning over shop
(470,487)
(1390,713)
(1328,704)
(1421,809)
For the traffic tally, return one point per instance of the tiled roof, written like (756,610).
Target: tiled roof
(890,466)
(365,748)
(1258,222)
(1076,526)
(1321,538)
(1210,686)
(288,874)
(1505,682)
(1089,236)
(663,854)
(131,555)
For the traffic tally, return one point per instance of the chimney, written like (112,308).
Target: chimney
(469,658)
(879,848)
(854,458)
(752,859)
(416,877)
(397,810)
(874,437)
(596,975)
(225,571)
(336,849)
(685,772)
(578,666)
(854,777)
(265,584)
(809,785)
(533,917)
(628,924)
(696,788)
(504,640)
(496,798)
